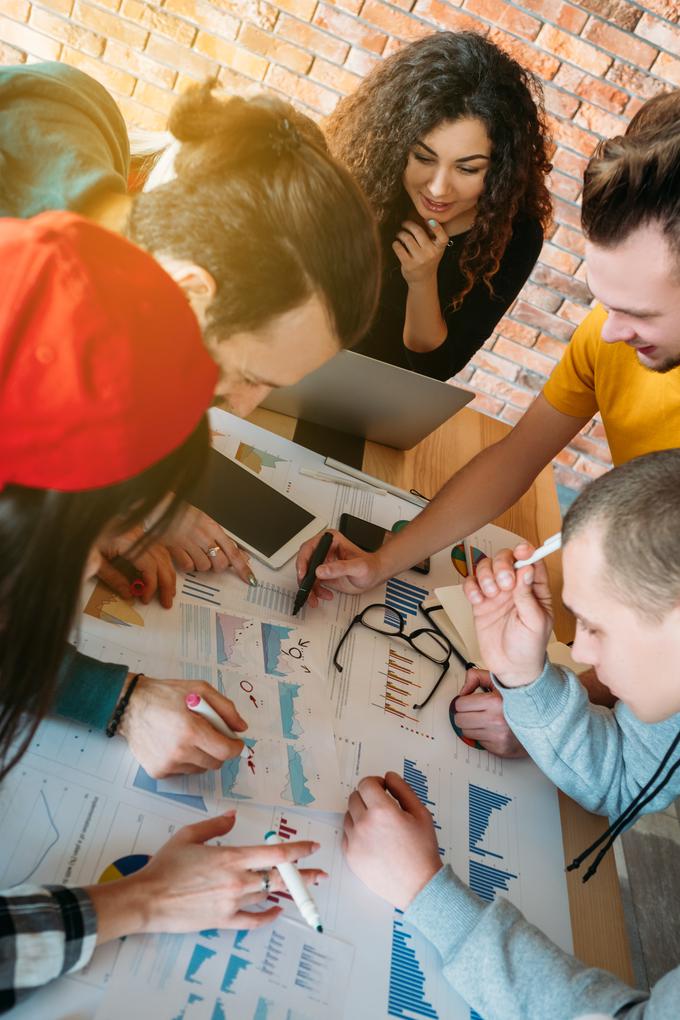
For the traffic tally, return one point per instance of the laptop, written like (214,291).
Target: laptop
(371,400)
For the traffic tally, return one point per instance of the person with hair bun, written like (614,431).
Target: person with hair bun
(447,139)
(269,237)
(276,250)
(102,403)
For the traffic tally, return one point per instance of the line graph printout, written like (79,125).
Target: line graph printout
(291,758)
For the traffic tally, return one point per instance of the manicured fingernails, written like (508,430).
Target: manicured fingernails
(474,597)
(488,587)
(432,223)
(504,579)
(529,577)
(252,580)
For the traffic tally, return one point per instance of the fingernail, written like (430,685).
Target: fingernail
(488,587)
(475,598)
(529,577)
(317,846)
(230,813)
(432,223)
(252,580)
(505,579)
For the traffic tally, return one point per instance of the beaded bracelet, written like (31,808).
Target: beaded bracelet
(114,721)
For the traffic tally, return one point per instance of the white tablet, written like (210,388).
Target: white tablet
(257,516)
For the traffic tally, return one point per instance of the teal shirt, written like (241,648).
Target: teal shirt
(500,963)
(63,140)
(88,689)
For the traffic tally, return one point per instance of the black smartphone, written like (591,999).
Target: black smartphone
(370,537)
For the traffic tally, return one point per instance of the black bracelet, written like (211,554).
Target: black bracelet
(114,721)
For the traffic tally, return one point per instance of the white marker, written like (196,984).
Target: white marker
(550,545)
(349,482)
(296,887)
(196,703)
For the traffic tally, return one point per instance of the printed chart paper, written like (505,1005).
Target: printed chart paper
(78,807)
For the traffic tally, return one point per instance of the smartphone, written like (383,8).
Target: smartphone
(370,537)
(257,516)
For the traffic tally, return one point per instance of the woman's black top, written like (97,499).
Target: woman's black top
(467,327)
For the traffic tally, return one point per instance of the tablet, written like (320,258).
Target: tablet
(257,516)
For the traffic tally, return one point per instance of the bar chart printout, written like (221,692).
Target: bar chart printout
(404,597)
(485,879)
(407,980)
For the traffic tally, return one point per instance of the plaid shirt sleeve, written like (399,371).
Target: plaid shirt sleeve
(45,931)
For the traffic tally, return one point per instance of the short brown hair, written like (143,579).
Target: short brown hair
(633,181)
(637,506)
(259,202)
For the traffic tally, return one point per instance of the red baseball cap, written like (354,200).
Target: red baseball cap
(103,371)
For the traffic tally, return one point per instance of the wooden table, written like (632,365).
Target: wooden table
(597,919)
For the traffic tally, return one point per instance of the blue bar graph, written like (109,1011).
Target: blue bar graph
(403,597)
(418,782)
(262,1009)
(218,1011)
(199,956)
(407,981)
(485,880)
(482,804)
(234,968)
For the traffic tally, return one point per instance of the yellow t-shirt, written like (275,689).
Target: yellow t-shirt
(640,409)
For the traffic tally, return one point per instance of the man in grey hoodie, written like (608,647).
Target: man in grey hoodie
(621,559)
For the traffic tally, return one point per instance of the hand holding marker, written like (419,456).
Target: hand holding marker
(550,545)
(131,574)
(296,887)
(196,703)
(307,582)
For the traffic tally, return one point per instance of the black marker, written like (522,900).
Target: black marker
(307,582)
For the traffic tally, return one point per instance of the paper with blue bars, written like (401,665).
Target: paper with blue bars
(314,731)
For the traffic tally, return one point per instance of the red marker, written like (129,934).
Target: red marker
(130,572)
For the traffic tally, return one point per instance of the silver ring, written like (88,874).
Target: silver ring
(266,882)
(213,551)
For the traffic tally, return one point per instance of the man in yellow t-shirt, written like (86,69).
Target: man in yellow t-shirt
(640,408)
(623,361)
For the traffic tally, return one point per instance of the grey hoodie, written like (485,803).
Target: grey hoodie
(503,966)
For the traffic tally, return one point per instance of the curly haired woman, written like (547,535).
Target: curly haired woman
(447,139)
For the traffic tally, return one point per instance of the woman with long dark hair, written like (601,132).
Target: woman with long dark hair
(267,234)
(104,383)
(447,139)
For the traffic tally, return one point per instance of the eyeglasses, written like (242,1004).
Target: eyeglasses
(383,619)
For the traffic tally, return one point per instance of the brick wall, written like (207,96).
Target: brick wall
(599,60)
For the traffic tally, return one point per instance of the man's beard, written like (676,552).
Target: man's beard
(666,366)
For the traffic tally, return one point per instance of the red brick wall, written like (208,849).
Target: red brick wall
(599,59)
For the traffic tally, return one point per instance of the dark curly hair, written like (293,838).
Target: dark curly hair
(445,77)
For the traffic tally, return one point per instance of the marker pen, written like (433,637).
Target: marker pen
(131,574)
(296,887)
(197,704)
(550,545)
(315,560)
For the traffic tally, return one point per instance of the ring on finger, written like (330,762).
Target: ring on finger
(266,881)
(213,551)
